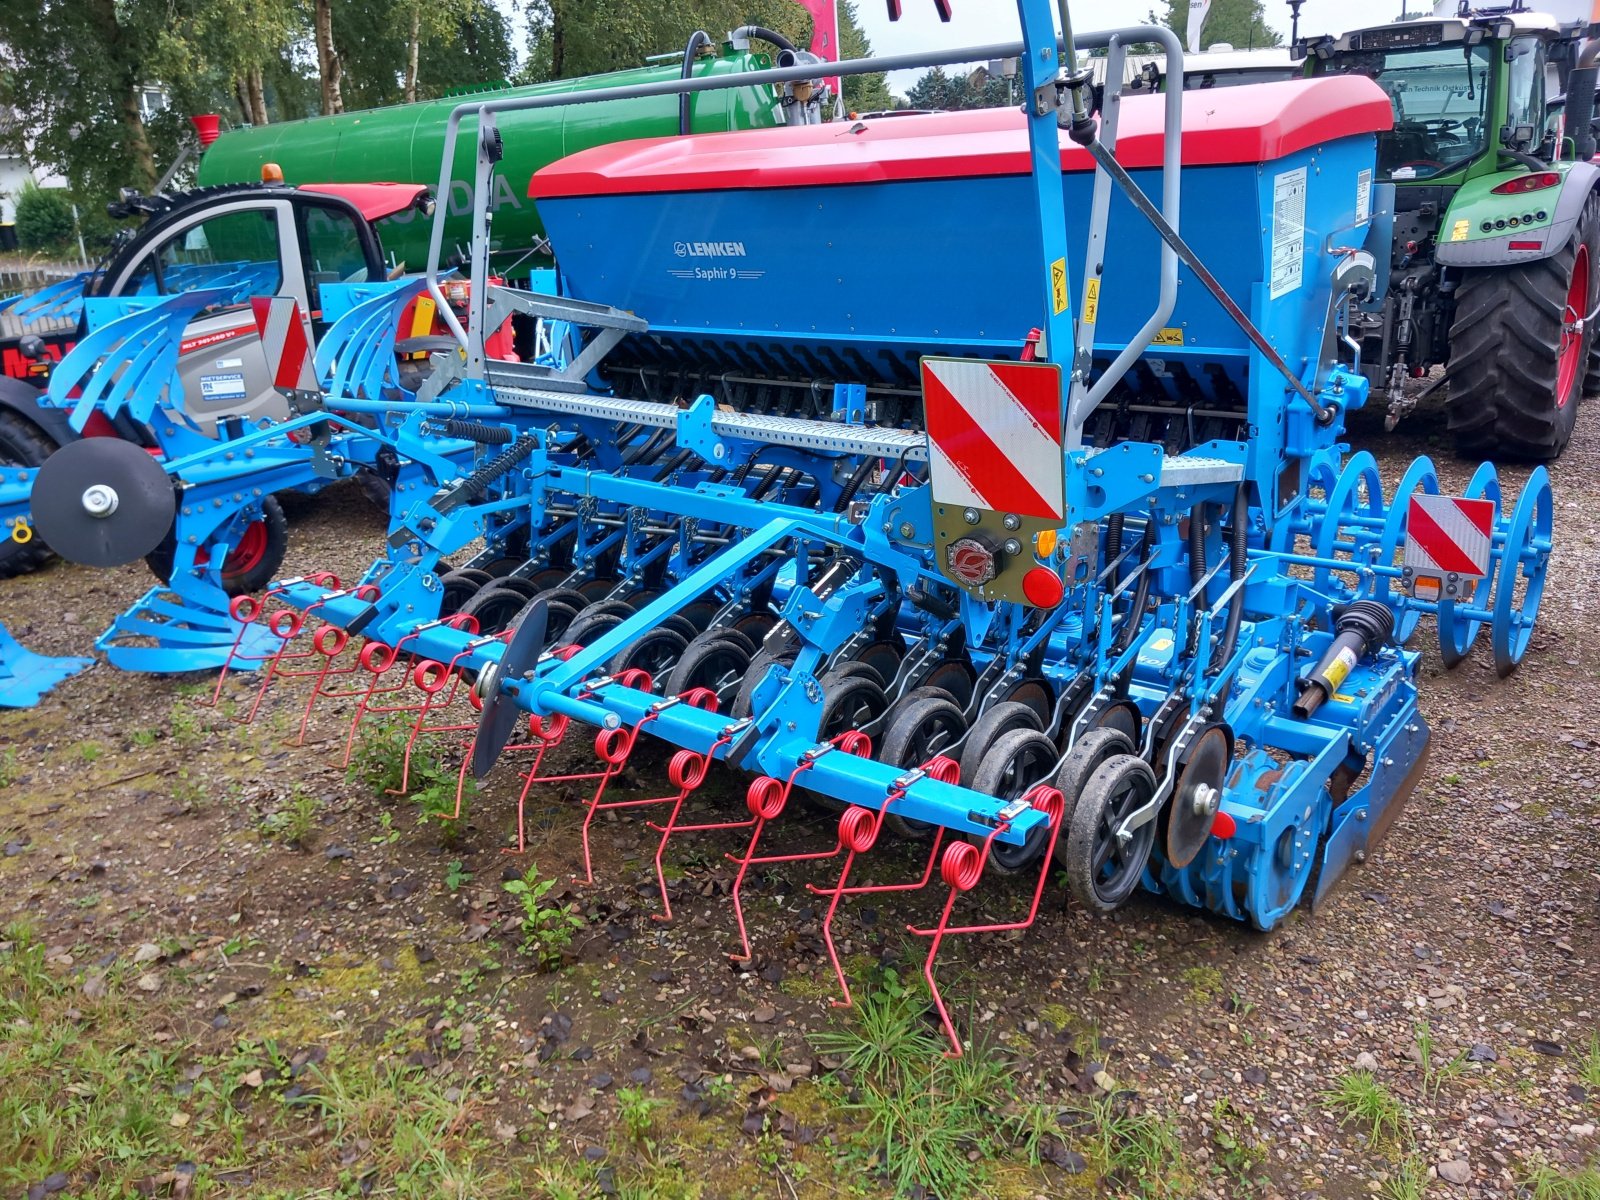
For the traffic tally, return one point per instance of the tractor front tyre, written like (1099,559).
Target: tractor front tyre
(1519,350)
(22,444)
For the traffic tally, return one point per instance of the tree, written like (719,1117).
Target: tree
(396,51)
(567,38)
(227,47)
(44,218)
(939,90)
(1240,23)
(71,79)
(329,66)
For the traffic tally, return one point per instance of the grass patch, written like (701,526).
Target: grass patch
(1435,1074)
(1589,1068)
(1409,1182)
(1545,1182)
(1359,1099)
(294,823)
(946,1126)
(87,1090)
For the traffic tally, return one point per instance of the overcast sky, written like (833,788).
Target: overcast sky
(984,22)
(976,22)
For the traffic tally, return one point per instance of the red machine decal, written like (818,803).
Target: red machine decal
(1446,535)
(283,337)
(994,435)
(190,345)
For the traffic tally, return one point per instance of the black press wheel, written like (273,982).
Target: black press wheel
(849,702)
(461,586)
(914,733)
(1102,871)
(718,660)
(759,666)
(1519,350)
(1014,766)
(1081,762)
(657,652)
(496,608)
(997,720)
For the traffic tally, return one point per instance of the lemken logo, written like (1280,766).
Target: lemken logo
(708,249)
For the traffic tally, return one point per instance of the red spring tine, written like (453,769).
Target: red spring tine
(246,610)
(285,625)
(686,772)
(961,868)
(858,833)
(766,800)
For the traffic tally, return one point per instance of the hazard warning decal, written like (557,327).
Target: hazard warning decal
(994,435)
(1447,545)
(283,338)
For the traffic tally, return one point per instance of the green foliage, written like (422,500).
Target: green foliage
(1589,1069)
(1242,24)
(1435,1074)
(8,767)
(1546,1182)
(1409,1182)
(638,1113)
(293,823)
(568,38)
(1360,1099)
(44,219)
(547,928)
(937,89)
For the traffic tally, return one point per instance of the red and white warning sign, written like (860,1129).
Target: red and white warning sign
(283,338)
(994,435)
(1447,537)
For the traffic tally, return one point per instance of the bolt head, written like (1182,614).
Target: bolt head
(100,500)
(971,516)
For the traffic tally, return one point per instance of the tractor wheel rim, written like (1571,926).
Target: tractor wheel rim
(247,555)
(1577,308)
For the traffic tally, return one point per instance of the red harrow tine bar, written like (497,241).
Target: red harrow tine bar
(766,800)
(858,831)
(962,867)
(614,746)
(687,771)
(246,611)
(380,659)
(286,624)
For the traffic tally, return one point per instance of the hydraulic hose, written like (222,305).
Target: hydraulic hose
(853,485)
(1141,593)
(761,33)
(696,39)
(1238,561)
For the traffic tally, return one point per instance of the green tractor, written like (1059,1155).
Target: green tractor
(1492,269)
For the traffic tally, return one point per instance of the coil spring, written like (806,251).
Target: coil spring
(473,431)
(478,482)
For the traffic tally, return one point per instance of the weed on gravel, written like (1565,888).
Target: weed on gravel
(1361,1100)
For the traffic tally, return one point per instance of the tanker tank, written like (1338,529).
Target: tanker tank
(405,143)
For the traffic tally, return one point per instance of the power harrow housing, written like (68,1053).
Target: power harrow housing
(1109,595)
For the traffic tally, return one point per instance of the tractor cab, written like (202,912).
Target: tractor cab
(1465,90)
(247,242)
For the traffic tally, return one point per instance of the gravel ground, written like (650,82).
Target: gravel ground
(133,815)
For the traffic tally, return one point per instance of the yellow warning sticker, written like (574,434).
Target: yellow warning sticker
(1161,643)
(1091,301)
(1344,698)
(1058,285)
(1458,231)
(1169,336)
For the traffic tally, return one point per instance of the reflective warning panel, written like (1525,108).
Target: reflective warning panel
(997,474)
(994,435)
(1448,540)
(283,338)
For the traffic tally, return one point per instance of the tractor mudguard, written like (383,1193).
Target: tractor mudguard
(17,397)
(1464,243)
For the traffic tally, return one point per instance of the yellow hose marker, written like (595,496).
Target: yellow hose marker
(22,533)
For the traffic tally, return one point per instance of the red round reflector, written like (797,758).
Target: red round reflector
(1223,826)
(1043,588)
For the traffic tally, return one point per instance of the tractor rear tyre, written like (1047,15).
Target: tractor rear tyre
(1519,353)
(22,444)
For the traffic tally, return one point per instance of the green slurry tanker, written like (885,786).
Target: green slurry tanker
(404,143)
